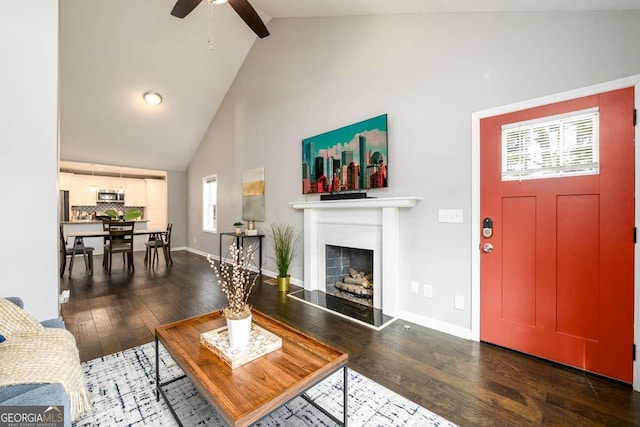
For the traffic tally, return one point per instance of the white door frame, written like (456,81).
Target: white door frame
(475,194)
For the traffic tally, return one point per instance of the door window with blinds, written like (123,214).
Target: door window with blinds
(210,203)
(554,146)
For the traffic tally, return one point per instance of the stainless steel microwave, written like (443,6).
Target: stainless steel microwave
(110,196)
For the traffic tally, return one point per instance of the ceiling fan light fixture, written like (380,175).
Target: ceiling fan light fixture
(242,7)
(152,98)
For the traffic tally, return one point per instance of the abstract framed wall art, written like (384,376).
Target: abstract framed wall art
(348,159)
(253,195)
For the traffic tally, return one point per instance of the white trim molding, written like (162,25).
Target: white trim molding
(435,324)
(387,202)
(265,272)
(372,224)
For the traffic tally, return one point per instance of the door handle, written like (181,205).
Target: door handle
(487,248)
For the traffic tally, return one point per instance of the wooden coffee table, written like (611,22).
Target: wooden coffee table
(246,394)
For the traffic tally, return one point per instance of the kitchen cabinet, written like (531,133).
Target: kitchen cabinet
(64,181)
(117,184)
(156,207)
(100,182)
(82,191)
(135,193)
(141,192)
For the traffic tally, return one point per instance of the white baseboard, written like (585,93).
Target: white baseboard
(427,322)
(197,252)
(182,248)
(274,275)
(438,325)
(265,272)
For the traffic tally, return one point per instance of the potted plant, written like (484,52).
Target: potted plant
(132,214)
(238,225)
(285,242)
(236,284)
(113,214)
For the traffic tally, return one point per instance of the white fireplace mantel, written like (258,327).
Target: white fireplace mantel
(374,223)
(387,202)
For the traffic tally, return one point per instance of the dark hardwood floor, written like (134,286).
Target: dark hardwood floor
(467,382)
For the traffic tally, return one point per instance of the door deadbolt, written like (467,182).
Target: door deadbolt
(487,227)
(487,247)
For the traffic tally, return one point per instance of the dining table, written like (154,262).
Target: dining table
(86,234)
(79,236)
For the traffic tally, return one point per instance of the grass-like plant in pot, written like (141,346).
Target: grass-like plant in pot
(236,283)
(285,241)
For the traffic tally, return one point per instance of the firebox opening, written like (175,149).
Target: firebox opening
(349,274)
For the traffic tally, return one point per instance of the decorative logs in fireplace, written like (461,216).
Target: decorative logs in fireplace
(357,282)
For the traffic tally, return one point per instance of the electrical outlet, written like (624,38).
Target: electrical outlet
(194,240)
(428,291)
(64,296)
(458,302)
(415,287)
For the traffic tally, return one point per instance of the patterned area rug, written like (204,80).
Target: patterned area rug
(122,391)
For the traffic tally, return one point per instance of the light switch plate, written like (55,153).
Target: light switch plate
(414,287)
(428,291)
(450,215)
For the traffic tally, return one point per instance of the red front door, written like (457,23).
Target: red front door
(559,281)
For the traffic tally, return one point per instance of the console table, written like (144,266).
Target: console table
(240,238)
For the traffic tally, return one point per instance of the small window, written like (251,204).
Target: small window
(210,203)
(554,146)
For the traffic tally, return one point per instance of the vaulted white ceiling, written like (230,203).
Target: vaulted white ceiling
(112,51)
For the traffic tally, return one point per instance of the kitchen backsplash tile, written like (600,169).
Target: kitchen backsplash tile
(89,211)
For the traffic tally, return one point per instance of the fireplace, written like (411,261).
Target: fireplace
(349,274)
(370,225)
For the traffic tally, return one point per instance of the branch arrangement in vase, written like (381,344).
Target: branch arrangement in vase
(235,281)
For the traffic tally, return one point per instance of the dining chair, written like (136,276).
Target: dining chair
(78,248)
(120,241)
(105,227)
(160,240)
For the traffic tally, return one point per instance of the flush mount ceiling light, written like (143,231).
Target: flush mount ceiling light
(152,98)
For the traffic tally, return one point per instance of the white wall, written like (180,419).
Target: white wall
(429,73)
(29,154)
(177,207)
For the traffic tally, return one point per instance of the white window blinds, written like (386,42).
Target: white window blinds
(554,146)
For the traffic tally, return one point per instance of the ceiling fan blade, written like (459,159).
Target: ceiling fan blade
(250,16)
(184,7)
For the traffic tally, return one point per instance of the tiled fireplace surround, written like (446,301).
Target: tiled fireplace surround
(371,224)
(338,260)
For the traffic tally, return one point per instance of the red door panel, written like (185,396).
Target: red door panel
(577,262)
(518,275)
(559,282)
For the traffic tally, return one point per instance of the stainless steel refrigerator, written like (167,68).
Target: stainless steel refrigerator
(63,206)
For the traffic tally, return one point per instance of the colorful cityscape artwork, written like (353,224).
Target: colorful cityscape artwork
(347,159)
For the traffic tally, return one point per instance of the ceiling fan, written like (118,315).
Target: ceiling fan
(248,14)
